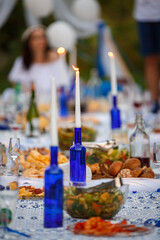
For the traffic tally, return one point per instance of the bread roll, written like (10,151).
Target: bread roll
(115,168)
(132,163)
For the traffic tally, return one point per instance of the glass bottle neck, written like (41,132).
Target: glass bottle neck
(54,155)
(77,135)
(114,99)
(140,125)
(32,95)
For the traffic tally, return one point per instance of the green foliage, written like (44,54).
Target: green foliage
(117,14)
(10,43)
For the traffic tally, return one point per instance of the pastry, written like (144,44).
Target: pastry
(104,168)
(132,163)
(147,173)
(95,168)
(125,173)
(115,168)
(137,172)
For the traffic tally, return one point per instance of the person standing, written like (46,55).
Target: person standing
(37,63)
(147,15)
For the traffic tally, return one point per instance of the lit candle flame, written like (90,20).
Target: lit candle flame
(75,68)
(110,54)
(61,51)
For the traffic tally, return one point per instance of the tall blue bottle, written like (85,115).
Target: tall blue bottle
(77,159)
(53,201)
(63,102)
(115,115)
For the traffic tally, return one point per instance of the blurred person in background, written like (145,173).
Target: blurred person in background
(147,15)
(38,63)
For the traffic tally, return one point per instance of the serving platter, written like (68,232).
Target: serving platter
(137,230)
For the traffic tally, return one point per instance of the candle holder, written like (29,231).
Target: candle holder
(115,115)
(53,201)
(78,160)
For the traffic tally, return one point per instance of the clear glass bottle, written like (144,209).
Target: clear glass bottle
(18,97)
(140,143)
(32,126)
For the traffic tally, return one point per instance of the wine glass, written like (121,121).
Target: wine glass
(14,150)
(1,154)
(8,200)
(156,153)
(15,127)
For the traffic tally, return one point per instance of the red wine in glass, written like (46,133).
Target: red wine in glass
(137,104)
(145,161)
(15,127)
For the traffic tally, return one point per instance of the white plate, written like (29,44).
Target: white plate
(142,184)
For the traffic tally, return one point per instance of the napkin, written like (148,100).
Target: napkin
(66,172)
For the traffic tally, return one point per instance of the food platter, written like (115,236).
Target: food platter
(130,230)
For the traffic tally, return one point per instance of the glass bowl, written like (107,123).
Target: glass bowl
(104,202)
(116,153)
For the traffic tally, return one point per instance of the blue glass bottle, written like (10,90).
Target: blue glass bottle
(77,159)
(63,103)
(53,201)
(115,115)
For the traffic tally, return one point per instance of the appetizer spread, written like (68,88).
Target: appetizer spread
(30,192)
(97,226)
(35,161)
(129,169)
(108,156)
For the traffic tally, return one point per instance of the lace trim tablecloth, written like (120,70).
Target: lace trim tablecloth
(140,208)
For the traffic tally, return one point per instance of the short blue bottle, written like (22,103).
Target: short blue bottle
(115,115)
(53,201)
(77,160)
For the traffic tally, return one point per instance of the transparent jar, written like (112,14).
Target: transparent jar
(140,143)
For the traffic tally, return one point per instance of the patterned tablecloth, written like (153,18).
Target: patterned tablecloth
(140,208)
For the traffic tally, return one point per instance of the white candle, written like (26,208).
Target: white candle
(113,74)
(53,122)
(73,57)
(77,100)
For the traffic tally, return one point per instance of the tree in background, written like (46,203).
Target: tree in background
(117,14)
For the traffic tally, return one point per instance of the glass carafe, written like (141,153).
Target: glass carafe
(140,143)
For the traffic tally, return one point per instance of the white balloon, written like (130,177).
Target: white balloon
(40,8)
(61,34)
(87,10)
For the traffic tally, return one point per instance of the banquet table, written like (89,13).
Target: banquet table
(142,205)
(140,208)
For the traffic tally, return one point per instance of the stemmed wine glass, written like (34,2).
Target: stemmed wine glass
(14,151)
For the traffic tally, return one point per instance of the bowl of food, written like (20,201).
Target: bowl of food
(101,200)
(66,136)
(108,156)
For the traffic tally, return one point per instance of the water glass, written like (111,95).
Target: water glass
(156,153)
(14,150)
(8,200)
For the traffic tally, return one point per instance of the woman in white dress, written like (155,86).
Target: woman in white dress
(38,63)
